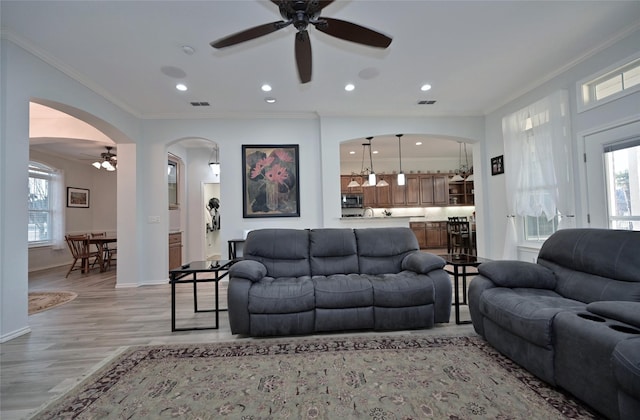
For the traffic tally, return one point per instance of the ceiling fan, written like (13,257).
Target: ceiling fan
(109,160)
(301,13)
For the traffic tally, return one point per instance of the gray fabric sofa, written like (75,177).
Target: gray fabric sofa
(304,281)
(573,318)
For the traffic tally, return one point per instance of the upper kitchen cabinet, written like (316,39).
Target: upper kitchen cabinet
(433,190)
(408,194)
(461,193)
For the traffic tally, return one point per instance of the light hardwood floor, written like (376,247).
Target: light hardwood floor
(69,342)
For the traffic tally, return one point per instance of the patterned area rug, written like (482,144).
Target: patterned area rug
(41,301)
(391,377)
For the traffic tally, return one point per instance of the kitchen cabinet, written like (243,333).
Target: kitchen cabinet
(461,193)
(433,190)
(378,197)
(430,234)
(408,194)
(418,229)
(175,250)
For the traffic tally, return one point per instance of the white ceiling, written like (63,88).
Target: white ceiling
(477,55)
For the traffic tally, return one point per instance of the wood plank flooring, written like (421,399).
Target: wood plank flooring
(69,342)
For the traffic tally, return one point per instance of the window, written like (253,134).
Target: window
(610,84)
(40,204)
(622,172)
(539,228)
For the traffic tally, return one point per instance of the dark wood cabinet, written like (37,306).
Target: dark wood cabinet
(344,182)
(433,190)
(430,234)
(461,193)
(407,195)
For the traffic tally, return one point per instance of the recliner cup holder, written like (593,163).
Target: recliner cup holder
(591,317)
(624,329)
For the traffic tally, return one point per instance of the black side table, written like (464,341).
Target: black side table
(233,248)
(460,262)
(182,275)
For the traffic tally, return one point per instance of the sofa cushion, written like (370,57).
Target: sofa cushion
(401,290)
(333,251)
(518,274)
(248,269)
(281,296)
(422,262)
(381,251)
(343,291)
(284,252)
(527,313)
(606,253)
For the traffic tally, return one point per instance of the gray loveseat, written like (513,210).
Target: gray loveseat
(305,281)
(572,319)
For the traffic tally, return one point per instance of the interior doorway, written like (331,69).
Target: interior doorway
(211,205)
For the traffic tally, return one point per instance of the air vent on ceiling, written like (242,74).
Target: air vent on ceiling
(200,104)
(431,102)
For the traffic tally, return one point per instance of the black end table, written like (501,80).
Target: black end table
(188,273)
(460,262)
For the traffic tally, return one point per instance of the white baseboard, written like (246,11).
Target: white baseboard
(15,334)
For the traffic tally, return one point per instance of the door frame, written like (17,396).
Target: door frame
(592,175)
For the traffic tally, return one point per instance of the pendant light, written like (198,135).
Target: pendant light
(461,172)
(372,174)
(214,165)
(400,174)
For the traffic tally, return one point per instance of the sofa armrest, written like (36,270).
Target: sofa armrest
(627,312)
(518,274)
(248,269)
(422,262)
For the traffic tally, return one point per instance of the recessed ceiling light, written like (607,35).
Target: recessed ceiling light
(418,143)
(270,100)
(375,152)
(352,152)
(188,49)
(425,87)
(349,87)
(181,87)
(266,88)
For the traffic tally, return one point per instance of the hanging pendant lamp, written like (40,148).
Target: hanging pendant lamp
(400,174)
(372,174)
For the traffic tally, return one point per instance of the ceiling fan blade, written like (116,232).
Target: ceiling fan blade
(303,56)
(249,34)
(352,32)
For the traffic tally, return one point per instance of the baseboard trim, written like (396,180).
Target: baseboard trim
(15,334)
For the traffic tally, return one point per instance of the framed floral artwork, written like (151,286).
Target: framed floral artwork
(270,181)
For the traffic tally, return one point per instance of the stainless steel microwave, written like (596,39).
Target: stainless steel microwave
(352,201)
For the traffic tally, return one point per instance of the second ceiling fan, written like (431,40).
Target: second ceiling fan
(301,13)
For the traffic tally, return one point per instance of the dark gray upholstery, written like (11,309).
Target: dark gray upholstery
(568,318)
(303,281)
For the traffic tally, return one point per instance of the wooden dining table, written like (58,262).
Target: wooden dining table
(101,243)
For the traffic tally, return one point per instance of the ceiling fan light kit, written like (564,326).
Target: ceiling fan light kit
(301,13)
(108,160)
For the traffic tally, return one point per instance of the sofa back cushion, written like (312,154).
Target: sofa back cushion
(594,264)
(284,252)
(381,250)
(333,251)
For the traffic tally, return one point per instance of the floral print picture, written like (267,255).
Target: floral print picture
(270,181)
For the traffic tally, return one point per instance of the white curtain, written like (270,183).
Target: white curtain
(58,207)
(537,155)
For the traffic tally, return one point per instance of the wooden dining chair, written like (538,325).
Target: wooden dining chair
(109,250)
(458,239)
(79,246)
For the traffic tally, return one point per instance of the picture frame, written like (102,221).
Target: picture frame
(270,180)
(497,165)
(77,197)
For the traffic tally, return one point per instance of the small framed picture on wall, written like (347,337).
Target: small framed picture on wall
(77,197)
(497,165)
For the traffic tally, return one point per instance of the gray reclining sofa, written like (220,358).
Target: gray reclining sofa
(305,281)
(572,319)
